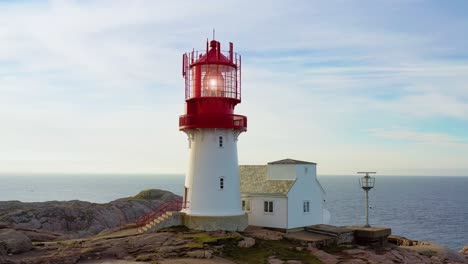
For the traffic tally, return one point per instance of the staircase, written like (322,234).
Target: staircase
(166,215)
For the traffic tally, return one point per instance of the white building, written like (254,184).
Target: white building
(284,194)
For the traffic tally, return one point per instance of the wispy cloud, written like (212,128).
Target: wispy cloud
(98,83)
(419,137)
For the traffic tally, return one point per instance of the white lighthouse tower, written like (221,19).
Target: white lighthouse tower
(212,185)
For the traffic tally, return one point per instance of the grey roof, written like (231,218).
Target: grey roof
(290,161)
(254,180)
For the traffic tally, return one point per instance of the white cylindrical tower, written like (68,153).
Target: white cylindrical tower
(212,185)
(212,181)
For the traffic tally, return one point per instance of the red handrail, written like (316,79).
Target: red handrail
(172,205)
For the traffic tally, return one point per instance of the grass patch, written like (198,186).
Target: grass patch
(144,258)
(258,254)
(176,229)
(150,194)
(200,239)
(68,243)
(335,248)
(428,253)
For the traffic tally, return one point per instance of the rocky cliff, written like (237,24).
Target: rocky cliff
(78,218)
(178,245)
(39,233)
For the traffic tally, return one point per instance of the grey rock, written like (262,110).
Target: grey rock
(6,261)
(14,242)
(196,254)
(247,242)
(274,261)
(115,252)
(464,250)
(202,254)
(3,248)
(78,218)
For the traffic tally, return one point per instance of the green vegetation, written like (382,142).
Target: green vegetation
(335,248)
(199,239)
(258,254)
(176,229)
(151,194)
(428,253)
(68,243)
(144,258)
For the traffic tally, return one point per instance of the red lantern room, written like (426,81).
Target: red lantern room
(212,88)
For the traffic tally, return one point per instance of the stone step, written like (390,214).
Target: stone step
(328,230)
(159,222)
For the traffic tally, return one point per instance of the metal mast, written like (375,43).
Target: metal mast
(366,184)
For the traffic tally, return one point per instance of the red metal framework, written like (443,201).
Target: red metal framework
(212,88)
(206,121)
(225,66)
(173,205)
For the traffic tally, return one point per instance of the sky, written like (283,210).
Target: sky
(96,86)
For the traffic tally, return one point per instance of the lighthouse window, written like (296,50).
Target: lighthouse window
(221,183)
(268,206)
(306,206)
(220,141)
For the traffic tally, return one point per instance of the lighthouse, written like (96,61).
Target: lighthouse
(212,185)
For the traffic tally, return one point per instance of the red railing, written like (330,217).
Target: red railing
(213,121)
(173,205)
(233,79)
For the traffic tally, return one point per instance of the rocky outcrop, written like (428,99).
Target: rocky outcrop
(78,218)
(262,233)
(247,242)
(464,250)
(13,242)
(426,248)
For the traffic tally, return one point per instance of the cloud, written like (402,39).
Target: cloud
(411,136)
(97,86)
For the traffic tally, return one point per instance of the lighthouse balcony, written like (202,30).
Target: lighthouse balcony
(213,121)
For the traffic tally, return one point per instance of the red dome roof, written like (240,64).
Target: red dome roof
(214,56)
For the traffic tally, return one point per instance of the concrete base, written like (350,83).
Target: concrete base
(212,223)
(341,234)
(366,235)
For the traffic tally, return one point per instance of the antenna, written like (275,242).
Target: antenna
(213,33)
(366,184)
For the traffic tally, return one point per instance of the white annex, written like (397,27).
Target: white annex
(284,194)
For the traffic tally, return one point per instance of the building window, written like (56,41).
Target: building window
(246,205)
(306,206)
(220,141)
(306,169)
(221,183)
(268,206)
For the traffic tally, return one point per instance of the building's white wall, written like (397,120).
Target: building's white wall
(207,163)
(305,188)
(281,171)
(257,217)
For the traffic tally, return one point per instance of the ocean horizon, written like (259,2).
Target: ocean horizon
(428,208)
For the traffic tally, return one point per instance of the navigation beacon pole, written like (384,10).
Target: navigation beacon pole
(366,184)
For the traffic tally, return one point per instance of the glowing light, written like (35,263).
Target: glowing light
(212,84)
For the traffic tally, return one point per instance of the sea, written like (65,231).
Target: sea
(417,207)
